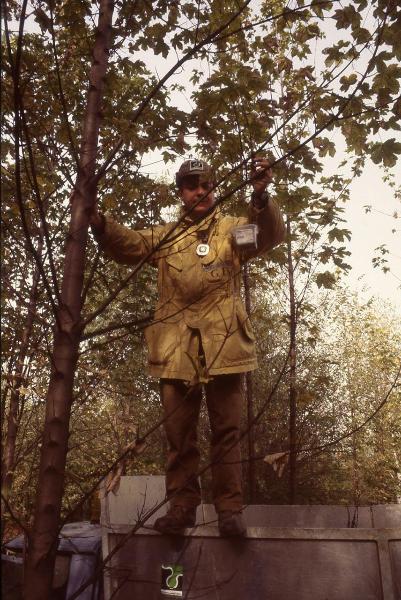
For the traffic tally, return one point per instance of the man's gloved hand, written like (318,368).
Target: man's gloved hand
(96,220)
(261,176)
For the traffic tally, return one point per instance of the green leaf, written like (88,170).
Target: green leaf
(326,280)
(339,234)
(348,80)
(42,19)
(387,153)
(362,35)
(347,17)
(325,146)
(388,79)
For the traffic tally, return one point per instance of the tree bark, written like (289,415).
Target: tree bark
(249,402)
(18,377)
(7,385)
(293,371)
(356,492)
(43,540)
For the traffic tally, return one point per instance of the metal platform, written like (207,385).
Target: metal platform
(289,553)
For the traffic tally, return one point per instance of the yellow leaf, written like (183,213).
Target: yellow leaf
(278,461)
(305,398)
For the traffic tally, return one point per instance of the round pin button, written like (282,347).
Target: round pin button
(202,249)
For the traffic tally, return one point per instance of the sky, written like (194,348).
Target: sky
(370,230)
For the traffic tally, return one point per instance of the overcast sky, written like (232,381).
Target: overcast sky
(370,230)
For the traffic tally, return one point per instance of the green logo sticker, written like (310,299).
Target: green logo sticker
(172,578)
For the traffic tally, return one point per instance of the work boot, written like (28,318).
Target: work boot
(177,518)
(231,524)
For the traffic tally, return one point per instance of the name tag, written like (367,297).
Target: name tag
(217,265)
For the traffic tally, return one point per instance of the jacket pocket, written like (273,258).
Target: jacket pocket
(244,323)
(162,342)
(216,267)
(172,273)
(174,261)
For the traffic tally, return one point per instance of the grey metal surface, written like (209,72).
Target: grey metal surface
(139,494)
(278,568)
(82,568)
(134,496)
(78,554)
(395,561)
(74,538)
(290,552)
(386,515)
(302,516)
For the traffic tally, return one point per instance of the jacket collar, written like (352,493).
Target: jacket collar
(202,222)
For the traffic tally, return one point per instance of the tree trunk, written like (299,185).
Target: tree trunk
(44,536)
(356,492)
(249,402)
(293,372)
(18,376)
(7,384)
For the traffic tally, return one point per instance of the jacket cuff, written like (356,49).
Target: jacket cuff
(99,231)
(260,201)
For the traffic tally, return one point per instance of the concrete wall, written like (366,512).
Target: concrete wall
(290,552)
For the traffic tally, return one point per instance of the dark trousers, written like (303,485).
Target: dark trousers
(181,409)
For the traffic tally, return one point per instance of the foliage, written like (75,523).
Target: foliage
(348,361)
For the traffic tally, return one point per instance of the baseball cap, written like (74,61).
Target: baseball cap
(193,167)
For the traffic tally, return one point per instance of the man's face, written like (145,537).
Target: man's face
(192,189)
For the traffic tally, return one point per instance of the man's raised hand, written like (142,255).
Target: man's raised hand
(261,174)
(96,220)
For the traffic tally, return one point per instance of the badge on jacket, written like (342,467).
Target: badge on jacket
(202,249)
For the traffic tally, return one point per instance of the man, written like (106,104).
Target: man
(201,333)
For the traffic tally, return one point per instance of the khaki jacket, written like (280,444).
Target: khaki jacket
(199,311)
